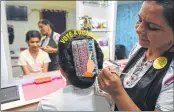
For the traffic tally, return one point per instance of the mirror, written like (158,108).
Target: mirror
(23,16)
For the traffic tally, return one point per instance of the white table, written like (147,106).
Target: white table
(21,104)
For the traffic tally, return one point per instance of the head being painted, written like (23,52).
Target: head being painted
(80,57)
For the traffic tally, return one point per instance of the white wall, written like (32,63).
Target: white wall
(71,20)
(21,27)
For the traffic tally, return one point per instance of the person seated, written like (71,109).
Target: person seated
(80,59)
(33,59)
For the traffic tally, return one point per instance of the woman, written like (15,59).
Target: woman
(49,43)
(33,60)
(147,81)
(80,87)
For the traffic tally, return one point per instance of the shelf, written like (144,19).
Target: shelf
(99,30)
(97,3)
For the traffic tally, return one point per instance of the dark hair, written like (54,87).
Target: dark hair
(168,11)
(46,22)
(32,33)
(67,63)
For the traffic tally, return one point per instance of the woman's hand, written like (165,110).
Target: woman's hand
(49,49)
(109,81)
(26,70)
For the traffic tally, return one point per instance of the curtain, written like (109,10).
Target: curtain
(57,18)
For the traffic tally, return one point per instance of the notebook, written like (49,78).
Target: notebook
(9,94)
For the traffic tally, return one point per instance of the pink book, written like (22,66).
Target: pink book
(34,91)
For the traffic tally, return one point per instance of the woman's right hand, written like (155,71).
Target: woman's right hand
(49,49)
(109,81)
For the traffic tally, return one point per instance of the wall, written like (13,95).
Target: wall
(71,20)
(127,16)
(21,27)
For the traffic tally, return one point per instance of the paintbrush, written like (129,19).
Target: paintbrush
(120,73)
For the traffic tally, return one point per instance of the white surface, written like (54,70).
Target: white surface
(105,50)
(112,12)
(17,71)
(6,68)
(14,62)
(99,30)
(71,20)
(24,80)
(16,52)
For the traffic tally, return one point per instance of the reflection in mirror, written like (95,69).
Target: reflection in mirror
(26,21)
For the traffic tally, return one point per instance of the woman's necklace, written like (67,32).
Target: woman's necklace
(137,71)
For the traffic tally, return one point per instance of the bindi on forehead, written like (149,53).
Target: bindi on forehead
(152,13)
(151,9)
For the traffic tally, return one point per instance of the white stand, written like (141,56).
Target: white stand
(101,12)
(6,68)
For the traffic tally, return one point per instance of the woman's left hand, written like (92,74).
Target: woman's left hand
(109,81)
